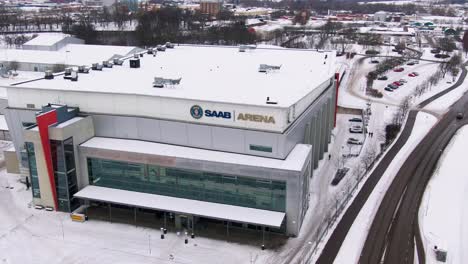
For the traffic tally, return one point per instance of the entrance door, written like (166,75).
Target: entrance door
(186,222)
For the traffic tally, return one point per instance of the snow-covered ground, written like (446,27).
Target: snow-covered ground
(443,215)
(351,248)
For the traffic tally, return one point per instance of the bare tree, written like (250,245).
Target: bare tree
(465,42)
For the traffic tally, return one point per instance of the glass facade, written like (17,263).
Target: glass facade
(191,184)
(36,192)
(63,159)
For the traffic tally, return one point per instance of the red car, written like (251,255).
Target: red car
(398,83)
(413,74)
(398,69)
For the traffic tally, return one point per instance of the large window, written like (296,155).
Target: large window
(63,159)
(33,170)
(191,184)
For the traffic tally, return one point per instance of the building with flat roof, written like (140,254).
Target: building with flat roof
(51,42)
(199,132)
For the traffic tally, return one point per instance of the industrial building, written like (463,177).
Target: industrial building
(204,133)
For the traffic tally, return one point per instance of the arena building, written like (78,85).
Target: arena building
(228,134)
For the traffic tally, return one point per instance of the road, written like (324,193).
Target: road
(421,162)
(394,228)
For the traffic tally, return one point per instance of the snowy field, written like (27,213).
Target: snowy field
(443,215)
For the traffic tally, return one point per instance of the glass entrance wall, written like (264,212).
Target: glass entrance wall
(190,184)
(33,169)
(63,159)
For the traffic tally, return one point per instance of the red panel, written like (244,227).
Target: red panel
(337,77)
(44,121)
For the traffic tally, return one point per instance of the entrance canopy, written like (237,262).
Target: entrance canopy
(183,206)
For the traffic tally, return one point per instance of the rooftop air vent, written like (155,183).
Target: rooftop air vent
(243,48)
(96,67)
(149,51)
(118,62)
(49,75)
(268,101)
(160,82)
(74,76)
(169,45)
(134,63)
(83,69)
(136,56)
(161,48)
(267,68)
(107,64)
(68,72)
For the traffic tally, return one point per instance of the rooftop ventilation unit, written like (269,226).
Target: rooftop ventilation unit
(96,67)
(160,82)
(48,75)
(266,68)
(118,62)
(107,64)
(74,76)
(83,69)
(149,50)
(161,48)
(169,45)
(68,71)
(243,48)
(268,101)
(136,56)
(134,63)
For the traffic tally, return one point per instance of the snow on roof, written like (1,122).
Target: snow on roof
(72,54)
(47,39)
(181,205)
(294,162)
(211,73)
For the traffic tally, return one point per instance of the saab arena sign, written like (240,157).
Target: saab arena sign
(197,112)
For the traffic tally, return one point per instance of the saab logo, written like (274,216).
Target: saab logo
(256,118)
(196,111)
(226,115)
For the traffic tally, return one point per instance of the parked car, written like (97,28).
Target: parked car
(340,173)
(397,83)
(442,56)
(374,61)
(400,69)
(382,78)
(355,119)
(355,129)
(372,52)
(435,51)
(410,63)
(402,81)
(413,74)
(459,116)
(354,141)
(388,89)
(392,86)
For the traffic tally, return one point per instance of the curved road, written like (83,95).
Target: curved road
(394,229)
(418,161)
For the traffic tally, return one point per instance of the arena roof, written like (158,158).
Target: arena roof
(211,73)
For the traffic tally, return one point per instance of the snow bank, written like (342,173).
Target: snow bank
(443,214)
